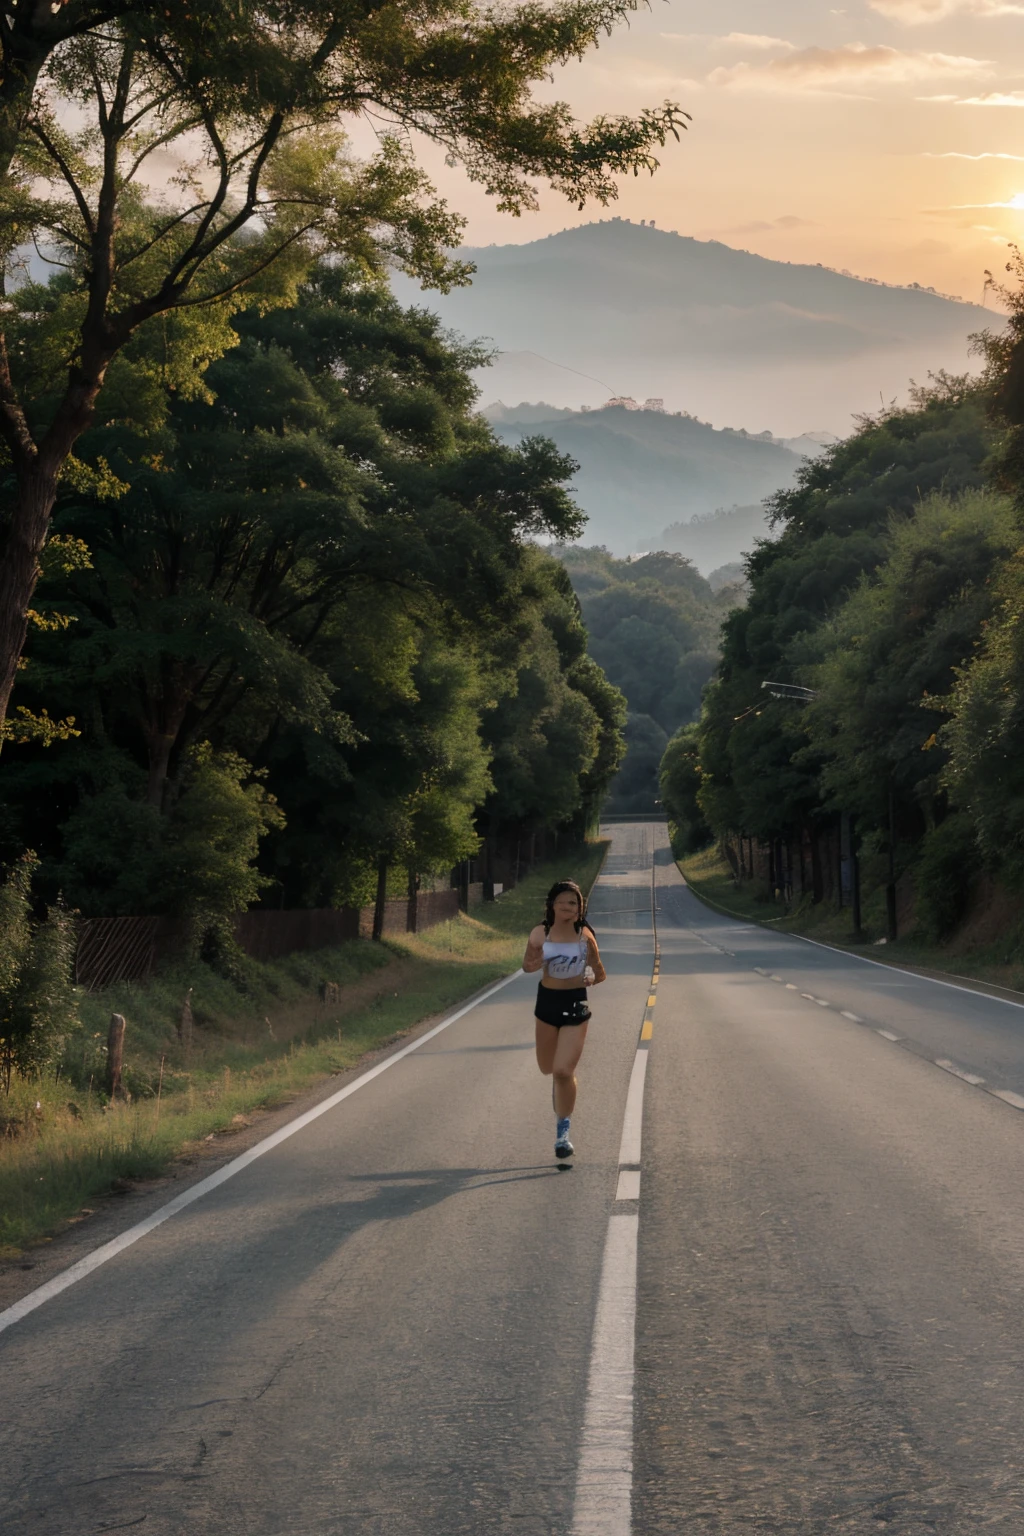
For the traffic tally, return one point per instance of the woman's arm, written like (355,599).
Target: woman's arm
(594,961)
(533,960)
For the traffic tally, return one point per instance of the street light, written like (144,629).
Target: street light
(791,691)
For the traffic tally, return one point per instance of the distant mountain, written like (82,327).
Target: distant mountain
(716,543)
(643,470)
(618,308)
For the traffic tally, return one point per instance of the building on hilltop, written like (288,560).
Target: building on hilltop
(654,403)
(625,401)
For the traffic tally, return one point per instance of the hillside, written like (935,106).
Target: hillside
(653,626)
(718,332)
(641,471)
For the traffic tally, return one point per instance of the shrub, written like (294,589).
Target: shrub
(38,1008)
(949,861)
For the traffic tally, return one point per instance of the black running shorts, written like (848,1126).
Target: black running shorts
(559,1007)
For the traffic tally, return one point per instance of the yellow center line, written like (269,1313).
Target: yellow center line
(648,1030)
(651,1000)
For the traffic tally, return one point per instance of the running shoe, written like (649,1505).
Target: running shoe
(563,1146)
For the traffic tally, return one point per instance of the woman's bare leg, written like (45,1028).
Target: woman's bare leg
(568,1050)
(547,1044)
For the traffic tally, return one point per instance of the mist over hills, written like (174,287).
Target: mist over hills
(616,308)
(642,471)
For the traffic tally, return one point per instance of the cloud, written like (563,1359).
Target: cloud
(1016,202)
(818,67)
(755,40)
(915,13)
(955,154)
(986,99)
(762,226)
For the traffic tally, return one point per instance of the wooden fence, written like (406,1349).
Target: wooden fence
(112,949)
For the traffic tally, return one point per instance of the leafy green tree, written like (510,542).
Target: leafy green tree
(680,778)
(761,773)
(653,625)
(247,101)
(323,571)
(889,653)
(985,735)
(546,736)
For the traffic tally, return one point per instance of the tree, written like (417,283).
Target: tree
(889,653)
(321,580)
(152,270)
(680,785)
(653,625)
(761,775)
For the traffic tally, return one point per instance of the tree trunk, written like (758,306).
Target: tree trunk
(890,889)
(855,880)
(381,902)
(19,570)
(413,902)
(816,880)
(839,867)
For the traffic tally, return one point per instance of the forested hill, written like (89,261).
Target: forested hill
(653,627)
(722,333)
(641,471)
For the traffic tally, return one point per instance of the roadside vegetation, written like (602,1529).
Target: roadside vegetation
(990,950)
(258,1041)
(654,627)
(887,616)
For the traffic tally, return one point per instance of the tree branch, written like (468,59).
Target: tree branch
(34,126)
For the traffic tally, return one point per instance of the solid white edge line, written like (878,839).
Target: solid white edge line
(603,1504)
(886,1034)
(102,1255)
(896,970)
(633,1120)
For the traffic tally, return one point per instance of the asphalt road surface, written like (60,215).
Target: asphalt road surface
(405,1318)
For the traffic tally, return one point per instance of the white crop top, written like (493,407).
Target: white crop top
(565,960)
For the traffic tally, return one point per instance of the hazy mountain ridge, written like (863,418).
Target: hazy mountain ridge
(719,332)
(641,471)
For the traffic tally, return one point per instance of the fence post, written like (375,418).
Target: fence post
(115,1055)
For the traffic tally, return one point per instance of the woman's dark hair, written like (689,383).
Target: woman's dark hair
(560,888)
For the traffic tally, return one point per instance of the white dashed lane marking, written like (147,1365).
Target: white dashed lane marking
(1007,1097)
(1015,1100)
(629,1184)
(968,1077)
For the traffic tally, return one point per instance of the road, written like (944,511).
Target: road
(405,1318)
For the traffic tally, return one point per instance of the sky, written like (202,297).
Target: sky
(885,136)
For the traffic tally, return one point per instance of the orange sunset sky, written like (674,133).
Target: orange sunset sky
(886,136)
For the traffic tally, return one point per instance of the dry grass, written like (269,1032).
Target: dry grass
(61,1148)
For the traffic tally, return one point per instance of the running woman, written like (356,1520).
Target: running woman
(564,948)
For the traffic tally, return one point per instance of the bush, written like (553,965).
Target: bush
(945,871)
(38,1009)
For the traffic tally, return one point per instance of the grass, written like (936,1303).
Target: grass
(259,1041)
(712,879)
